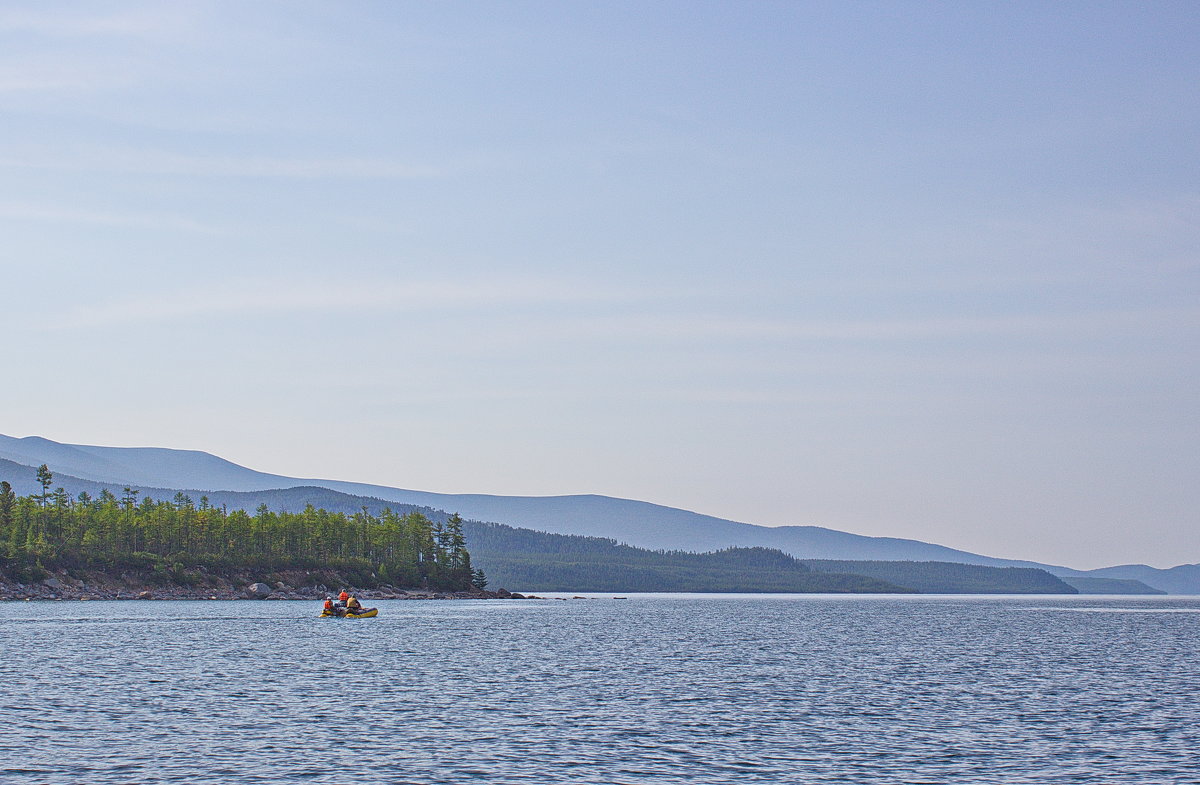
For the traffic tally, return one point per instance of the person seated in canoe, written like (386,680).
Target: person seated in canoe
(353,605)
(331,607)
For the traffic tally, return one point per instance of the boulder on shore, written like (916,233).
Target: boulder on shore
(259,591)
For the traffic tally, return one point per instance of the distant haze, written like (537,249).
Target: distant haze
(914,270)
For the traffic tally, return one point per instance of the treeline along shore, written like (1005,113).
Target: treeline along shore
(52,544)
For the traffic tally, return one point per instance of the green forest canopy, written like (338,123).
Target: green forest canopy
(52,530)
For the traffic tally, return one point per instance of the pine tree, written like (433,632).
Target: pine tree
(8,501)
(44,478)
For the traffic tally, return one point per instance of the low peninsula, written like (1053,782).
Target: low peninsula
(54,546)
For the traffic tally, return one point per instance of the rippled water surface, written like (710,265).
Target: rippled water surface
(653,689)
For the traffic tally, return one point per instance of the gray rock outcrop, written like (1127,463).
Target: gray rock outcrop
(259,591)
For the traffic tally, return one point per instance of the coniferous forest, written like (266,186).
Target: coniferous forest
(52,530)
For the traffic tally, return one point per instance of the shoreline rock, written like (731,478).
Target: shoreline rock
(92,585)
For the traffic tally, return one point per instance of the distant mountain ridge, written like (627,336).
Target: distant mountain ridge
(643,524)
(637,523)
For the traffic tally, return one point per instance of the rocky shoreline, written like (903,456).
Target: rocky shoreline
(301,586)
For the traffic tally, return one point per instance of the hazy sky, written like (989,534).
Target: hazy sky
(924,270)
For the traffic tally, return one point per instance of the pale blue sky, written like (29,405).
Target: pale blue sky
(922,270)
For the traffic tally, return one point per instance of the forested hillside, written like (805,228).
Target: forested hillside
(931,577)
(537,561)
(1087,585)
(53,530)
(638,523)
(555,562)
(315,527)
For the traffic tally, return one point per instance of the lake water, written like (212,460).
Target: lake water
(652,689)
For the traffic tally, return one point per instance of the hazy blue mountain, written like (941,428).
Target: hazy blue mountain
(637,523)
(541,561)
(150,466)
(24,482)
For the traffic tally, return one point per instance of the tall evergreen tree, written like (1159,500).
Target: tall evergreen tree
(44,478)
(8,502)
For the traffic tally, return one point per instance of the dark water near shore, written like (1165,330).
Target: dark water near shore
(654,689)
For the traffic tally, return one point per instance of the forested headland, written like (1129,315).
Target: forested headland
(177,540)
(932,577)
(539,561)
